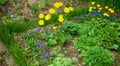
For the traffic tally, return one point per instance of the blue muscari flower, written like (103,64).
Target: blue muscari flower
(85,15)
(39,29)
(77,17)
(46,54)
(95,12)
(29,32)
(34,31)
(50,53)
(41,44)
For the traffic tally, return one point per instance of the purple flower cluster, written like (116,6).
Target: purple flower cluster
(41,44)
(48,54)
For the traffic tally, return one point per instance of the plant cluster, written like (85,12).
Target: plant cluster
(61,60)
(34,50)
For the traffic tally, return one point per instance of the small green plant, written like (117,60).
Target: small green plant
(61,60)
(96,56)
(33,9)
(1,58)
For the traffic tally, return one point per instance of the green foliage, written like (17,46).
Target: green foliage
(70,28)
(33,8)
(2,2)
(57,37)
(7,30)
(1,58)
(96,56)
(61,60)
(98,32)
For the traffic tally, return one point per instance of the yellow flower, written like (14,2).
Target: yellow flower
(51,11)
(66,10)
(71,8)
(41,16)
(106,7)
(99,11)
(109,9)
(90,10)
(90,7)
(94,7)
(99,8)
(41,22)
(55,27)
(47,17)
(98,5)
(106,14)
(61,20)
(58,4)
(112,11)
(92,3)
(60,16)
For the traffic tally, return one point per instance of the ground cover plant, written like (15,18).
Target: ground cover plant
(62,35)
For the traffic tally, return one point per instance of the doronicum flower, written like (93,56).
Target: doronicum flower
(106,14)
(58,4)
(112,11)
(92,3)
(98,5)
(61,20)
(41,22)
(66,10)
(71,8)
(106,7)
(41,16)
(51,11)
(94,7)
(100,9)
(47,17)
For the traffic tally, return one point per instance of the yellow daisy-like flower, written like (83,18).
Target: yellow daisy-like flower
(106,7)
(90,10)
(106,14)
(61,20)
(92,3)
(99,8)
(41,16)
(66,10)
(90,7)
(47,17)
(71,8)
(55,27)
(58,4)
(60,16)
(99,11)
(109,9)
(98,5)
(112,11)
(51,11)
(41,22)
(94,7)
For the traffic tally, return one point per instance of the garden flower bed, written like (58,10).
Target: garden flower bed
(59,33)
